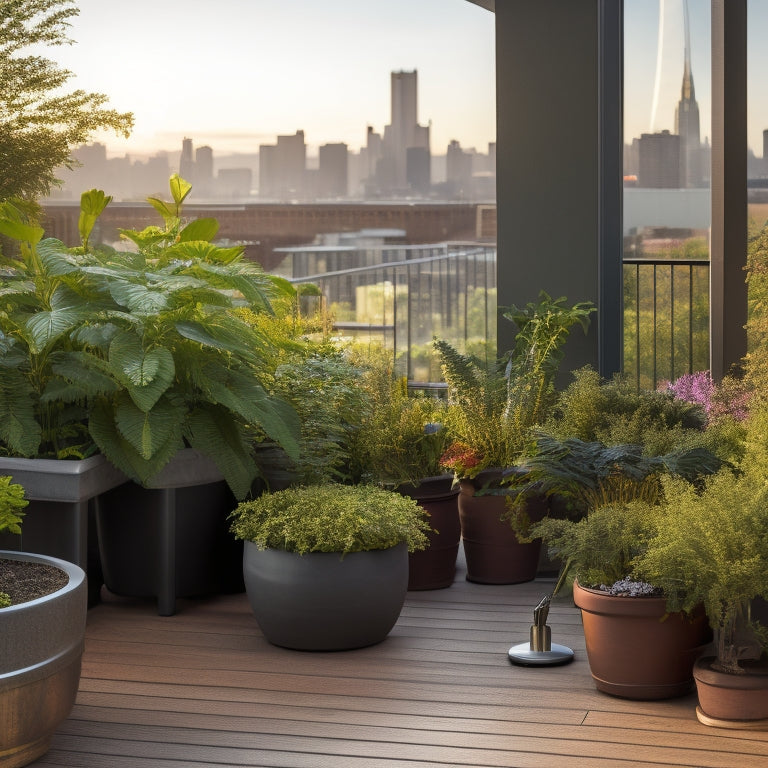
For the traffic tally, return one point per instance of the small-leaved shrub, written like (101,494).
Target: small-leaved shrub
(331,518)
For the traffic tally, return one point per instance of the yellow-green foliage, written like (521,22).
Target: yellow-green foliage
(12,501)
(331,518)
(712,546)
(599,548)
(401,437)
(757,322)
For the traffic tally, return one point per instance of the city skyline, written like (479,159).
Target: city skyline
(255,70)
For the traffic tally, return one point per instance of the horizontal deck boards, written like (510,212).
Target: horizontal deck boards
(203,688)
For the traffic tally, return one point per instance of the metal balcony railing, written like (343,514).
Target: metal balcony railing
(666,319)
(404,296)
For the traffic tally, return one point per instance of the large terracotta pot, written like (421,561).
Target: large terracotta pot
(732,701)
(435,566)
(637,650)
(322,601)
(41,645)
(494,554)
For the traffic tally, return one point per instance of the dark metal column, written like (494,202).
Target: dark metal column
(610,315)
(728,292)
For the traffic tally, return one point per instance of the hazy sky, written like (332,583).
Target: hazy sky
(235,73)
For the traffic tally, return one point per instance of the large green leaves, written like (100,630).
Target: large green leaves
(210,430)
(138,444)
(19,429)
(146,374)
(92,203)
(47,326)
(241,394)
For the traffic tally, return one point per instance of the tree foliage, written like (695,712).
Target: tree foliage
(40,121)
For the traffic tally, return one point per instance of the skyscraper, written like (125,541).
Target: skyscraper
(187,162)
(403,132)
(687,120)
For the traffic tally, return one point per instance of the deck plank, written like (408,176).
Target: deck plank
(204,688)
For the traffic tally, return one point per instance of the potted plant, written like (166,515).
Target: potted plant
(43,605)
(398,445)
(711,548)
(635,648)
(47,305)
(493,409)
(182,385)
(326,566)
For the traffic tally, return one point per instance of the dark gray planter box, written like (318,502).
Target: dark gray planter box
(172,539)
(322,601)
(60,492)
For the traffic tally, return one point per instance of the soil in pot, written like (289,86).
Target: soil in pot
(732,701)
(23,580)
(637,650)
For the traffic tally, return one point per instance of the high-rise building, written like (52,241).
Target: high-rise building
(204,171)
(403,133)
(291,165)
(659,163)
(332,170)
(458,171)
(687,120)
(187,162)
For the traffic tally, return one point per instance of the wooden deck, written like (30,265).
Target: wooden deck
(203,688)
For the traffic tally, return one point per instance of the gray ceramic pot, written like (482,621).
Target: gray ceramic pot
(322,601)
(41,645)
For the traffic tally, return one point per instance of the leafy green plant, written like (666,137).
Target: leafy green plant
(401,436)
(146,348)
(614,495)
(615,411)
(495,406)
(46,304)
(331,518)
(591,475)
(321,382)
(184,365)
(711,548)
(12,502)
(599,548)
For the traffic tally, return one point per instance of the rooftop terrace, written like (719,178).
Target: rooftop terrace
(204,688)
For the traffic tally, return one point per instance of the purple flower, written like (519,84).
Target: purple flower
(730,398)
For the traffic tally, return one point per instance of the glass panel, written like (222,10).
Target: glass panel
(667,117)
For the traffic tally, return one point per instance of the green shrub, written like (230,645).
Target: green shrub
(331,518)
(12,501)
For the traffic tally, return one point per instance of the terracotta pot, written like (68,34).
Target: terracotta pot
(494,554)
(435,566)
(732,701)
(637,650)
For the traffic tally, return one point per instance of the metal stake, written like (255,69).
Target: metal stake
(540,651)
